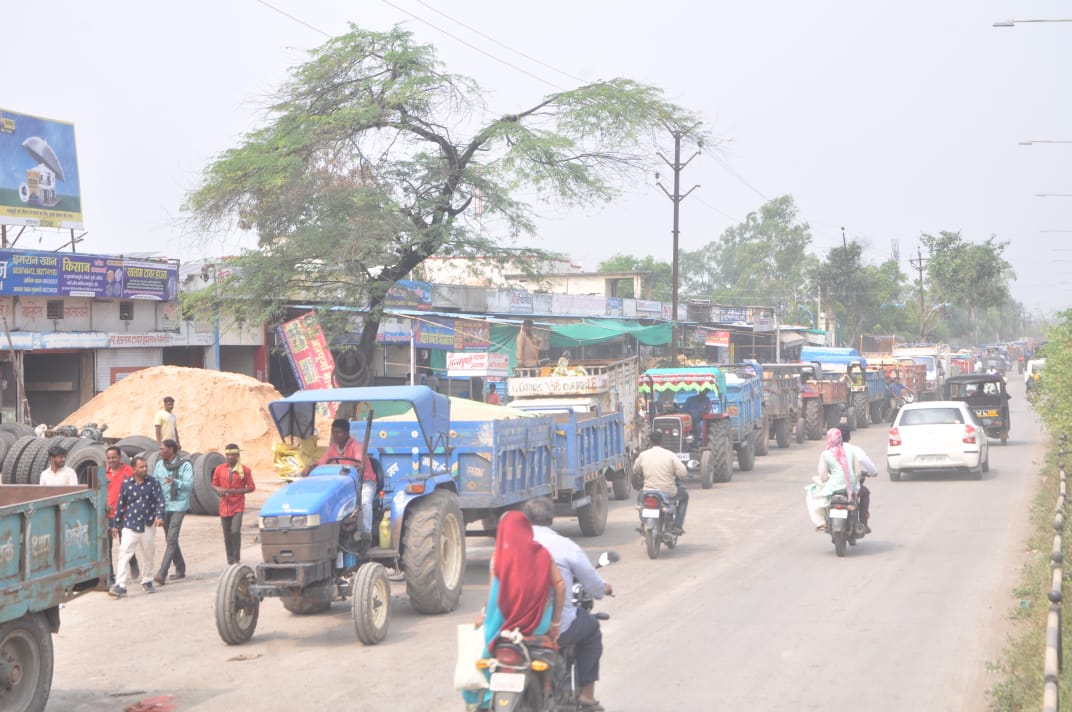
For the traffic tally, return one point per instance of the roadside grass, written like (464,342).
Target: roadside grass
(1021,665)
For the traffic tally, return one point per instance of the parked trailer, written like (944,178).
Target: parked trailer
(744,404)
(839,389)
(781,403)
(53,550)
(590,386)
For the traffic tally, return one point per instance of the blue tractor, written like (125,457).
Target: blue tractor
(311,546)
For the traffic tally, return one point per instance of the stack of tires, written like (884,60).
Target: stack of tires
(24,456)
(203,499)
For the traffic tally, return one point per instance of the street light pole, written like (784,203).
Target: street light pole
(1013,23)
(676,197)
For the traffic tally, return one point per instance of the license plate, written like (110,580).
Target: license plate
(649,513)
(931,458)
(986,413)
(683,456)
(507,682)
(839,514)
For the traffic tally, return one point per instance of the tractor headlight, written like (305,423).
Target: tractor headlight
(291,521)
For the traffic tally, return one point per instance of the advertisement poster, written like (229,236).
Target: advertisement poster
(434,333)
(471,335)
(495,363)
(308,351)
(407,294)
(28,273)
(38,172)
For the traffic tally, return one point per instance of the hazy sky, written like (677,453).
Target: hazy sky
(887,118)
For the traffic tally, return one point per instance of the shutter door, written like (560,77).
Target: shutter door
(114,364)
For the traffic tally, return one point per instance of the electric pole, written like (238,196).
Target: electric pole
(676,197)
(919,263)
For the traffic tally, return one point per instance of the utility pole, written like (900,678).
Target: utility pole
(918,264)
(676,197)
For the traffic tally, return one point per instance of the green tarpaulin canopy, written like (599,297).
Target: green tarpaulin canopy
(594,331)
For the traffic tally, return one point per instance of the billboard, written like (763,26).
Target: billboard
(30,273)
(308,351)
(38,172)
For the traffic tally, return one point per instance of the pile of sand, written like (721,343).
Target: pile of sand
(213,408)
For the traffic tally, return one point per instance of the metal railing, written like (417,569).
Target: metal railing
(1052,660)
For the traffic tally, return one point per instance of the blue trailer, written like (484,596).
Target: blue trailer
(744,405)
(52,548)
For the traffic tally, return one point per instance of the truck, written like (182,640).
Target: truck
(936,358)
(586,387)
(702,438)
(867,387)
(440,464)
(52,549)
(744,404)
(781,403)
(834,382)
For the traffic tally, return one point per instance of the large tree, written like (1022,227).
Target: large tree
(375,158)
(972,276)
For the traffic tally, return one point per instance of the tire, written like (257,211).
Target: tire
(21,430)
(781,432)
(38,462)
(371,603)
(653,541)
(802,428)
(237,610)
(134,445)
(850,418)
(87,460)
(593,516)
(314,599)
(863,414)
(720,442)
(762,438)
(210,501)
(351,369)
(813,418)
(895,475)
(986,463)
(11,458)
(7,439)
(620,484)
(195,502)
(875,411)
(433,552)
(746,455)
(707,469)
(839,542)
(27,642)
(1004,438)
(25,474)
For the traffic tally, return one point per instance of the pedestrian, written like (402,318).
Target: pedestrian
(166,423)
(139,510)
(527,348)
(58,474)
(176,477)
(116,473)
(493,396)
(232,481)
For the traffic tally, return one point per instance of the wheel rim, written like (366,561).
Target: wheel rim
(246,605)
(450,549)
(20,660)
(379,600)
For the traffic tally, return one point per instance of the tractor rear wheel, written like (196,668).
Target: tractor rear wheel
(862,414)
(761,438)
(813,417)
(720,441)
(781,432)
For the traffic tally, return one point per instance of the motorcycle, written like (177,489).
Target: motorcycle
(657,511)
(843,521)
(532,674)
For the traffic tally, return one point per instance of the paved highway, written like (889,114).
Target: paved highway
(751,611)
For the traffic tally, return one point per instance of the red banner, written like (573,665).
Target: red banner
(308,351)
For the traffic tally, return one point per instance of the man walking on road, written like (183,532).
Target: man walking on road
(139,509)
(232,481)
(166,423)
(116,473)
(579,627)
(58,474)
(176,478)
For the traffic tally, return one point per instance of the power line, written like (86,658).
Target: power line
(504,46)
(299,21)
(474,47)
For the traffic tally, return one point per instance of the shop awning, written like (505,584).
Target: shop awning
(791,339)
(594,331)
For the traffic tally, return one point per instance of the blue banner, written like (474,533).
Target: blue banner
(66,274)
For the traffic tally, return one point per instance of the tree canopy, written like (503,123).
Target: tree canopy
(374,158)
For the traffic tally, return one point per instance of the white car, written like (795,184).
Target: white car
(937,435)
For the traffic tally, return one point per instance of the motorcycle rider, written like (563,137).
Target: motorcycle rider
(662,471)
(579,627)
(867,465)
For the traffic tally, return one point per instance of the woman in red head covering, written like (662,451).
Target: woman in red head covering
(526,591)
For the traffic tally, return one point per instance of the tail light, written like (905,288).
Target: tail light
(969,435)
(509,655)
(651,501)
(895,436)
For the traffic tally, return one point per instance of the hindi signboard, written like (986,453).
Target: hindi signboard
(486,363)
(31,273)
(308,351)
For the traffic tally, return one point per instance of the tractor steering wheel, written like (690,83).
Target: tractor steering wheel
(336,460)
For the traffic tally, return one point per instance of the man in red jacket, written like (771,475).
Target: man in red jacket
(232,481)
(115,474)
